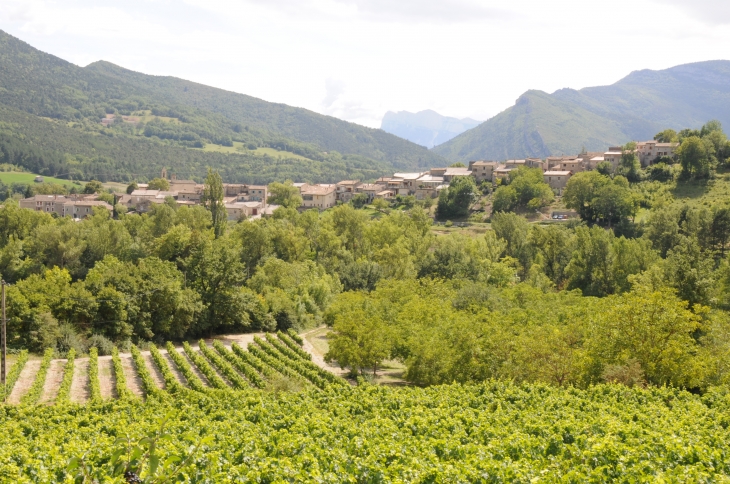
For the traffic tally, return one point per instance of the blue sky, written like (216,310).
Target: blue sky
(357,59)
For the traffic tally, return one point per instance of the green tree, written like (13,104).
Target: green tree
(527,190)
(666,136)
(630,167)
(93,186)
(360,337)
(455,200)
(554,246)
(159,184)
(359,200)
(591,267)
(694,158)
(284,194)
(213,201)
(604,168)
(132,187)
(654,328)
(689,270)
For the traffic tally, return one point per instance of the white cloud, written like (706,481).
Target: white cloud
(713,12)
(334,89)
(462,58)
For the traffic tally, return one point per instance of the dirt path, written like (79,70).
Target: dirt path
(53,381)
(241,340)
(107,381)
(175,370)
(154,371)
(25,381)
(317,357)
(80,390)
(134,383)
(195,369)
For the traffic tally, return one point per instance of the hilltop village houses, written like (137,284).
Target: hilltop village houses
(244,201)
(557,171)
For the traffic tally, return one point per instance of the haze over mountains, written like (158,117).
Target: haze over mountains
(426,128)
(635,108)
(175,123)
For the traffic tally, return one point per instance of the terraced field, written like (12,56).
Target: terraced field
(248,361)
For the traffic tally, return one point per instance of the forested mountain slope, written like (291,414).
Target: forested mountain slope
(176,115)
(634,108)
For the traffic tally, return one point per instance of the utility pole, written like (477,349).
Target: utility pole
(2,345)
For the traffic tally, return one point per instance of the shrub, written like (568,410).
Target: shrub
(103,345)
(69,339)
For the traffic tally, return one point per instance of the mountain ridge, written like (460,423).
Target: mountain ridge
(634,108)
(190,115)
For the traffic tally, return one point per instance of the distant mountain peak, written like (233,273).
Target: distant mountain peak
(426,128)
(634,108)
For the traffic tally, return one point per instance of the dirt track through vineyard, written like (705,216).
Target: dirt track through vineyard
(80,385)
(53,381)
(107,381)
(25,381)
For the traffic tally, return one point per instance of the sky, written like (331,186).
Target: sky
(357,59)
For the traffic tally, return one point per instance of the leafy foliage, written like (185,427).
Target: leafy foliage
(14,373)
(68,375)
(451,433)
(526,190)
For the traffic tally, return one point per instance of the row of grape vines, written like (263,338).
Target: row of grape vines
(494,432)
(204,370)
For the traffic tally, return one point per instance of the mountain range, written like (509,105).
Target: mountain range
(51,115)
(568,120)
(426,128)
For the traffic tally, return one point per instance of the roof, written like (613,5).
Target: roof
(317,189)
(153,193)
(457,171)
(89,203)
(505,169)
(431,178)
(482,163)
(46,198)
(145,193)
(348,182)
(370,186)
(407,176)
(598,158)
(612,153)
(667,145)
(243,204)
(385,192)
(557,173)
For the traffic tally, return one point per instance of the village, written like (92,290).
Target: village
(244,201)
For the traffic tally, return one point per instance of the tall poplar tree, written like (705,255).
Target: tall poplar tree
(213,200)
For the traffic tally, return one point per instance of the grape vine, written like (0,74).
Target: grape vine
(34,394)
(68,377)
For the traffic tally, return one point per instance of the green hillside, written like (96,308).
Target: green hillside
(164,117)
(635,108)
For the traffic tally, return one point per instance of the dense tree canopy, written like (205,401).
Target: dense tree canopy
(526,190)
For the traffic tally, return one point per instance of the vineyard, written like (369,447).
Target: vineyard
(216,413)
(169,370)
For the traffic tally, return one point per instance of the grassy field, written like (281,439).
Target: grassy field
(240,148)
(703,193)
(10,177)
